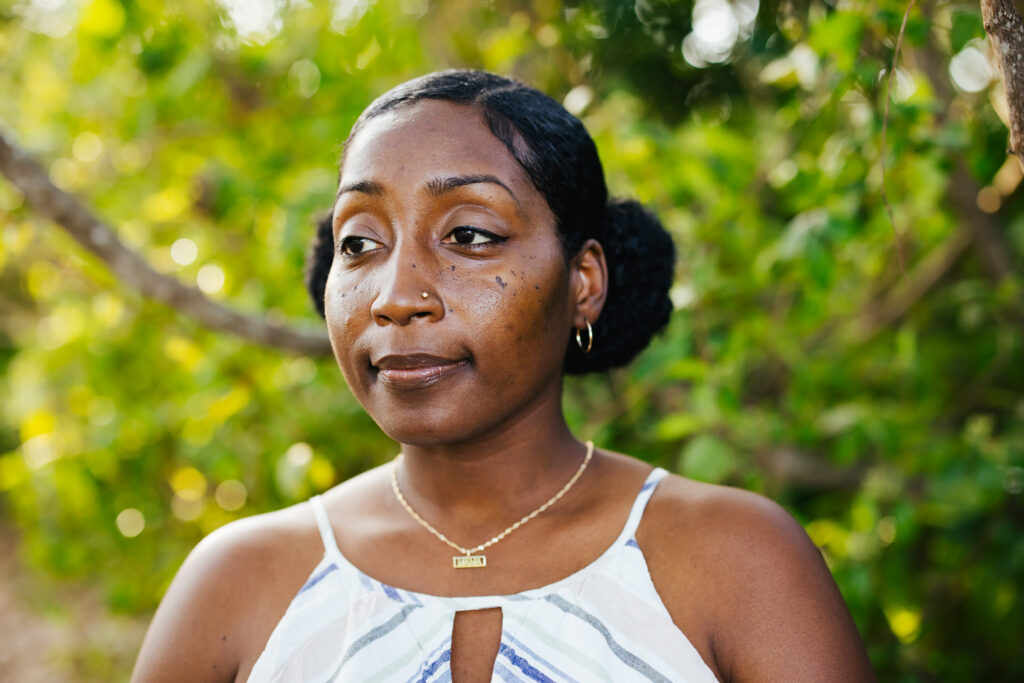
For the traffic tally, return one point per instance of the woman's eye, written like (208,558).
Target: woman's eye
(471,236)
(353,246)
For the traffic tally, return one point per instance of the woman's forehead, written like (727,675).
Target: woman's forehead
(427,139)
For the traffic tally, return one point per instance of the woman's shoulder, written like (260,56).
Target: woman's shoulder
(737,571)
(227,596)
(709,542)
(266,547)
(714,519)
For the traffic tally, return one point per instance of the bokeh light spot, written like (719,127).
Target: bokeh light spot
(210,278)
(346,13)
(886,530)
(577,99)
(54,18)
(184,251)
(66,174)
(230,494)
(133,156)
(299,454)
(718,25)
(548,36)
(130,522)
(87,147)
(40,451)
(188,483)
(989,200)
(102,18)
(186,510)
(970,69)
(256,21)
(304,77)
(905,623)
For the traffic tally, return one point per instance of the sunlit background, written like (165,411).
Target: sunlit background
(883,406)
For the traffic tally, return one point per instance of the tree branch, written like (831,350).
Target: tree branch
(1005,29)
(789,467)
(901,256)
(908,291)
(991,245)
(127,266)
(989,240)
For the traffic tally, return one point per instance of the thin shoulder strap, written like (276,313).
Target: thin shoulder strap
(640,504)
(324,524)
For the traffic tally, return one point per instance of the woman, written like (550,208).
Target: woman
(471,244)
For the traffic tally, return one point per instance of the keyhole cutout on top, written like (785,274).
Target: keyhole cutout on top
(476,637)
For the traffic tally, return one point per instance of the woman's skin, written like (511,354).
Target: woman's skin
(468,380)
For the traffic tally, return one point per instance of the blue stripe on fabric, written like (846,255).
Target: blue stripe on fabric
(648,485)
(504,674)
(520,663)
(446,643)
(627,657)
(433,653)
(372,635)
(555,671)
(314,580)
(432,668)
(632,543)
(391,592)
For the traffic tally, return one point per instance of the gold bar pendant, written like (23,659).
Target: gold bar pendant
(469,561)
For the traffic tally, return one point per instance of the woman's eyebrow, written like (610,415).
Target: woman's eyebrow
(370,187)
(439,186)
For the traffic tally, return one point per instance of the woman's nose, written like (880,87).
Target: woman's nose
(406,292)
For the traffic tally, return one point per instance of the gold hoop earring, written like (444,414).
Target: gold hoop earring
(590,337)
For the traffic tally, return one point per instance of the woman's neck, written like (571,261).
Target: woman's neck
(493,478)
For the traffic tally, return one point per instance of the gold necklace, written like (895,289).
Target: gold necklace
(468,559)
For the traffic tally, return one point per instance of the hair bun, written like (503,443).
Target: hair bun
(641,266)
(319,260)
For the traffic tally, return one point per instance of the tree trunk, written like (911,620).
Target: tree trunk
(1005,29)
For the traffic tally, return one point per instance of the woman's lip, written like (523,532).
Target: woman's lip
(408,361)
(420,376)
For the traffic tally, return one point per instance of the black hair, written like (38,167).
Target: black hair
(561,160)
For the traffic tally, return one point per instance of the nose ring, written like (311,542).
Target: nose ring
(425,295)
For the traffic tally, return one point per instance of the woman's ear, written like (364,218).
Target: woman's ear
(588,286)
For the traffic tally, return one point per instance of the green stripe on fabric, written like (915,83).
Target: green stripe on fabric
(565,648)
(403,659)
(628,658)
(372,635)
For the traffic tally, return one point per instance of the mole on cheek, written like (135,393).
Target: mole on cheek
(501,283)
(453,269)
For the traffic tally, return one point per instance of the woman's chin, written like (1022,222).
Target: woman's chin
(426,433)
(438,425)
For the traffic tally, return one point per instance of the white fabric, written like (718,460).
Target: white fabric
(605,622)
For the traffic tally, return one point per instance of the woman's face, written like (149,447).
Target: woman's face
(431,203)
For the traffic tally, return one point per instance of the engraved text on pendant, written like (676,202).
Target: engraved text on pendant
(468,561)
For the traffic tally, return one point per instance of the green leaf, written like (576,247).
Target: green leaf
(708,458)
(966,27)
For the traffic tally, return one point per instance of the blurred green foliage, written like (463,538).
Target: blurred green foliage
(209,136)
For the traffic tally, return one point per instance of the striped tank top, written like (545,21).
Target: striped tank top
(605,622)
